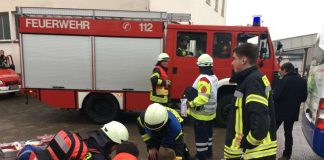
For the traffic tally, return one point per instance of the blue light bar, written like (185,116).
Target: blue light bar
(256,20)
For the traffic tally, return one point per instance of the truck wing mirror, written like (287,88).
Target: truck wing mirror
(262,52)
(279,45)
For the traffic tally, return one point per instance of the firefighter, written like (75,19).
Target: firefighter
(103,141)
(251,130)
(100,143)
(202,101)
(183,46)
(159,127)
(160,81)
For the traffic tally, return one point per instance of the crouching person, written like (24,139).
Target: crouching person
(103,141)
(126,151)
(67,145)
(159,127)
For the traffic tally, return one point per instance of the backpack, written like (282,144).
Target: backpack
(26,151)
(65,145)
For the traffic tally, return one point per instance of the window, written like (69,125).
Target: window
(261,41)
(223,8)
(191,44)
(4,26)
(222,45)
(216,5)
(16,23)
(208,2)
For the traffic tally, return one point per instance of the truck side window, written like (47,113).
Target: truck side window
(191,44)
(255,39)
(222,45)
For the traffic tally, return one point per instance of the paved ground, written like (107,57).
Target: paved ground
(19,121)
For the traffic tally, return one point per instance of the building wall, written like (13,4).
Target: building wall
(138,5)
(201,13)
(298,45)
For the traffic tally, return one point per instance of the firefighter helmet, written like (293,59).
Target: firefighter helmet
(155,116)
(116,131)
(163,57)
(205,60)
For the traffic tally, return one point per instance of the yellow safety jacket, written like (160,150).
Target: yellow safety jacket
(252,117)
(203,107)
(160,90)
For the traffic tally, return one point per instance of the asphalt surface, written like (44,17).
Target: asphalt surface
(20,122)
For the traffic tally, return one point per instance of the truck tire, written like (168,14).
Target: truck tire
(101,108)
(221,112)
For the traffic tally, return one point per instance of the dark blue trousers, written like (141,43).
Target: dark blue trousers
(203,136)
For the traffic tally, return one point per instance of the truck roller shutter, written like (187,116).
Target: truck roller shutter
(57,61)
(125,63)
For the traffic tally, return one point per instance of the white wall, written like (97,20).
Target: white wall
(201,12)
(138,5)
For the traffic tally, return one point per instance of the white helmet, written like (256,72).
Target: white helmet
(163,57)
(155,116)
(116,131)
(205,60)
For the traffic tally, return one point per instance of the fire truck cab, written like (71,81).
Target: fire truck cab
(100,61)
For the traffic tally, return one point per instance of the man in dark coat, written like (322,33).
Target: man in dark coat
(289,93)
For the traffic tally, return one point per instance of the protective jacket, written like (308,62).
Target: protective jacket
(203,106)
(289,93)
(96,152)
(169,136)
(160,91)
(252,116)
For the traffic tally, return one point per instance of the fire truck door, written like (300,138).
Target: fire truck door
(183,68)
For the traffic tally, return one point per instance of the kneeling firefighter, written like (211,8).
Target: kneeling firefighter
(160,127)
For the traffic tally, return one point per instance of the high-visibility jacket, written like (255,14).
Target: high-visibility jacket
(160,90)
(252,116)
(203,107)
(169,136)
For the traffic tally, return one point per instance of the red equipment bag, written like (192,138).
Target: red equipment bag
(67,145)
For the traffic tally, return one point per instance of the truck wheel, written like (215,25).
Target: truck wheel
(221,112)
(101,108)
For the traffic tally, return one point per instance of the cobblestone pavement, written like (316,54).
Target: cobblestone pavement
(19,122)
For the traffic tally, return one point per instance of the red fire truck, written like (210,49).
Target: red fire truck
(100,61)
